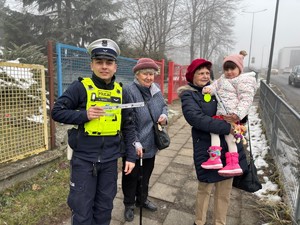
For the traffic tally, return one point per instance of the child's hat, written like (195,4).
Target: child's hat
(237,59)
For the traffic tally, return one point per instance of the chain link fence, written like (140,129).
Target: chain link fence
(73,62)
(23,113)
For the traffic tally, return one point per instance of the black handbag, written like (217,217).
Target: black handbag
(249,181)
(161,137)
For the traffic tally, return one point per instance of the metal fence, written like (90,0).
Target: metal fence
(73,62)
(176,79)
(282,125)
(23,114)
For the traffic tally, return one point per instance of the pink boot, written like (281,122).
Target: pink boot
(214,161)
(232,167)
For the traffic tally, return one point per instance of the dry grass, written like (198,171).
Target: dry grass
(276,213)
(40,200)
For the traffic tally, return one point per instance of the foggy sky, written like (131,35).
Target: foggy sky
(287,30)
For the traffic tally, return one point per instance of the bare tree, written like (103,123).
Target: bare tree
(210,23)
(196,11)
(151,25)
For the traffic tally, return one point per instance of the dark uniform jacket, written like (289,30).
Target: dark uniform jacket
(198,114)
(70,108)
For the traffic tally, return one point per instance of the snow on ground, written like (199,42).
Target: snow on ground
(260,149)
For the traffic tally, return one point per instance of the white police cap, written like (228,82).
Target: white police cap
(103,49)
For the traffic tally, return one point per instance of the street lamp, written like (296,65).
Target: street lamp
(262,58)
(253,12)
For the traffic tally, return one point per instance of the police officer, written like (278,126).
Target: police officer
(96,139)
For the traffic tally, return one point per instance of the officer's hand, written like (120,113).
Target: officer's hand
(95,112)
(128,167)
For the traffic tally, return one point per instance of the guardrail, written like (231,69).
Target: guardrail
(282,124)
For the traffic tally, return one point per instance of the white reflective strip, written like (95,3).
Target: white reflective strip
(125,106)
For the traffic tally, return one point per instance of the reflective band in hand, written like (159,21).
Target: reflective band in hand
(125,106)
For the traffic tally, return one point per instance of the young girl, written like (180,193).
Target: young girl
(236,90)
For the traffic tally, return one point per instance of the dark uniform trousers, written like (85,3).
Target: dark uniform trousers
(131,182)
(91,197)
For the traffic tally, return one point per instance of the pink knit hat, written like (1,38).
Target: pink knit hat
(145,63)
(196,63)
(237,59)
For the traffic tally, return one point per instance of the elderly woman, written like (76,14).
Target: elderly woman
(144,89)
(198,112)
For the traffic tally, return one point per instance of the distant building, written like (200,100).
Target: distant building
(288,57)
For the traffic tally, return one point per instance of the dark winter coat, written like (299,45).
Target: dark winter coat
(198,114)
(70,108)
(144,132)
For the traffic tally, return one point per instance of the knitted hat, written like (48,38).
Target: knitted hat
(196,63)
(238,60)
(145,63)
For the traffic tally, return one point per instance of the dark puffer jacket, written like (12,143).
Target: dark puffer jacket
(198,114)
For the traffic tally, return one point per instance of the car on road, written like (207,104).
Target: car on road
(274,71)
(294,77)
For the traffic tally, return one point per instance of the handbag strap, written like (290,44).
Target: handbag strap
(146,103)
(251,156)
(148,109)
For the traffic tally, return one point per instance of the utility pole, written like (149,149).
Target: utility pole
(253,13)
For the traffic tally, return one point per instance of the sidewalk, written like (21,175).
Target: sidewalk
(173,187)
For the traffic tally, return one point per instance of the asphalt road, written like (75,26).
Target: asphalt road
(288,92)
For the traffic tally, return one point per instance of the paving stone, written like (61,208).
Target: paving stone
(159,168)
(168,153)
(163,192)
(187,160)
(187,152)
(173,179)
(176,217)
(180,168)
(163,160)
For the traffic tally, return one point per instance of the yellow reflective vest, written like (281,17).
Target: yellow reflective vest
(110,124)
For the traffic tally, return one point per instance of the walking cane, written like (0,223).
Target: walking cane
(141,188)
